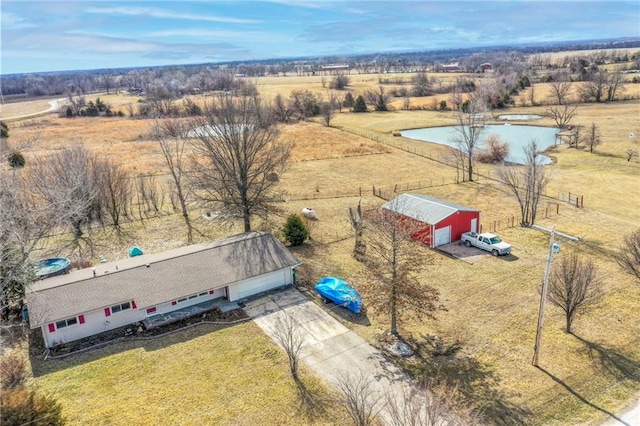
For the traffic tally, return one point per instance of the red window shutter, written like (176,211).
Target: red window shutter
(133,304)
(210,291)
(107,312)
(173,303)
(81,319)
(52,328)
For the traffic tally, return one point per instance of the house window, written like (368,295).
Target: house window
(66,323)
(120,307)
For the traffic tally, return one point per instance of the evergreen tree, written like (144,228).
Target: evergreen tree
(359,104)
(4,130)
(295,231)
(348,100)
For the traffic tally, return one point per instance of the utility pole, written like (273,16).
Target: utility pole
(543,299)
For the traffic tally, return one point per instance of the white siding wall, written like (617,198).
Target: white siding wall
(97,322)
(94,322)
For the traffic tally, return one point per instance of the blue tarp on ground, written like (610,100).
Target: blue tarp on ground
(340,293)
(135,251)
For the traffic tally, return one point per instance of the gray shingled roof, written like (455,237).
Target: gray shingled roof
(169,276)
(424,208)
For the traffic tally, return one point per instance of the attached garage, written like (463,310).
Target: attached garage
(438,222)
(256,285)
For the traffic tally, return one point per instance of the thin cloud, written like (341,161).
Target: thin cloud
(163,14)
(11,21)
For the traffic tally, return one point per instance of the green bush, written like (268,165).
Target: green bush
(295,231)
(16,160)
(359,105)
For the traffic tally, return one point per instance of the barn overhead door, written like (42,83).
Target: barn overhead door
(443,236)
(261,284)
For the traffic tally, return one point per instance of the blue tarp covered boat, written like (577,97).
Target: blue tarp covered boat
(340,293)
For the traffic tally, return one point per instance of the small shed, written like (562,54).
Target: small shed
(439,222)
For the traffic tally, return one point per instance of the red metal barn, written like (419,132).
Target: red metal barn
(437,221)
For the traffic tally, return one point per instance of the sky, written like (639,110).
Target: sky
(40,36)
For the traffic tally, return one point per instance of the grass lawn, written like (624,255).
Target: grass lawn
(488,307)
(203,375)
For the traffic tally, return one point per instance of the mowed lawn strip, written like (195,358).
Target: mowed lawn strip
(203,375)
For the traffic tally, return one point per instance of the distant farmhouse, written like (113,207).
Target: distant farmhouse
(155,289)
(335,69)
(453,67)
(486,67)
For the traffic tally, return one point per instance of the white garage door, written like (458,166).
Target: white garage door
(261,284)
(443,236)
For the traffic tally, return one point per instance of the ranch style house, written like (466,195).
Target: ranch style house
(153,286)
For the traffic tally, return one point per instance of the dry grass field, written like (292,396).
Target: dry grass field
(488,306)
(203,375)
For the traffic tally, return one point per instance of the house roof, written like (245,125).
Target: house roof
(151,279)
(424,208)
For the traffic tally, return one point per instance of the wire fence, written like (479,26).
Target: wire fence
(573,199)
(449,160)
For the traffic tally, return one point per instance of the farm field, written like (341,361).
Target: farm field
(488,307)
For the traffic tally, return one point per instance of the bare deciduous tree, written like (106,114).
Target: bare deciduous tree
(631,153)
(469,131)
(151,198)
(360,398)
(340,81)
(562,114)
(379,98)
(356,220)
(69,180)
(628,257)
(24,222)
(574,286)
(614,85)
(326,111)
(531,94)
(430,404)
(288,335)
(560,89)
(115,192)
(173,141)
(527,182)
(238,157)
(395,261)
(592,137)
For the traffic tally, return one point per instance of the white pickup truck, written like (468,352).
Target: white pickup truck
(488,242)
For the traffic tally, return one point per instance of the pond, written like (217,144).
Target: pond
(516,136)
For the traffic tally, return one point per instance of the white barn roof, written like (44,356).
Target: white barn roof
(424,208)
(169,275)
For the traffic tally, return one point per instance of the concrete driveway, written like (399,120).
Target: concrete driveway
(330,349)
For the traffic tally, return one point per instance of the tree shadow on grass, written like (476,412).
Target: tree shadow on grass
(611,361)
(312,404)
(473,382)
(581,398)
